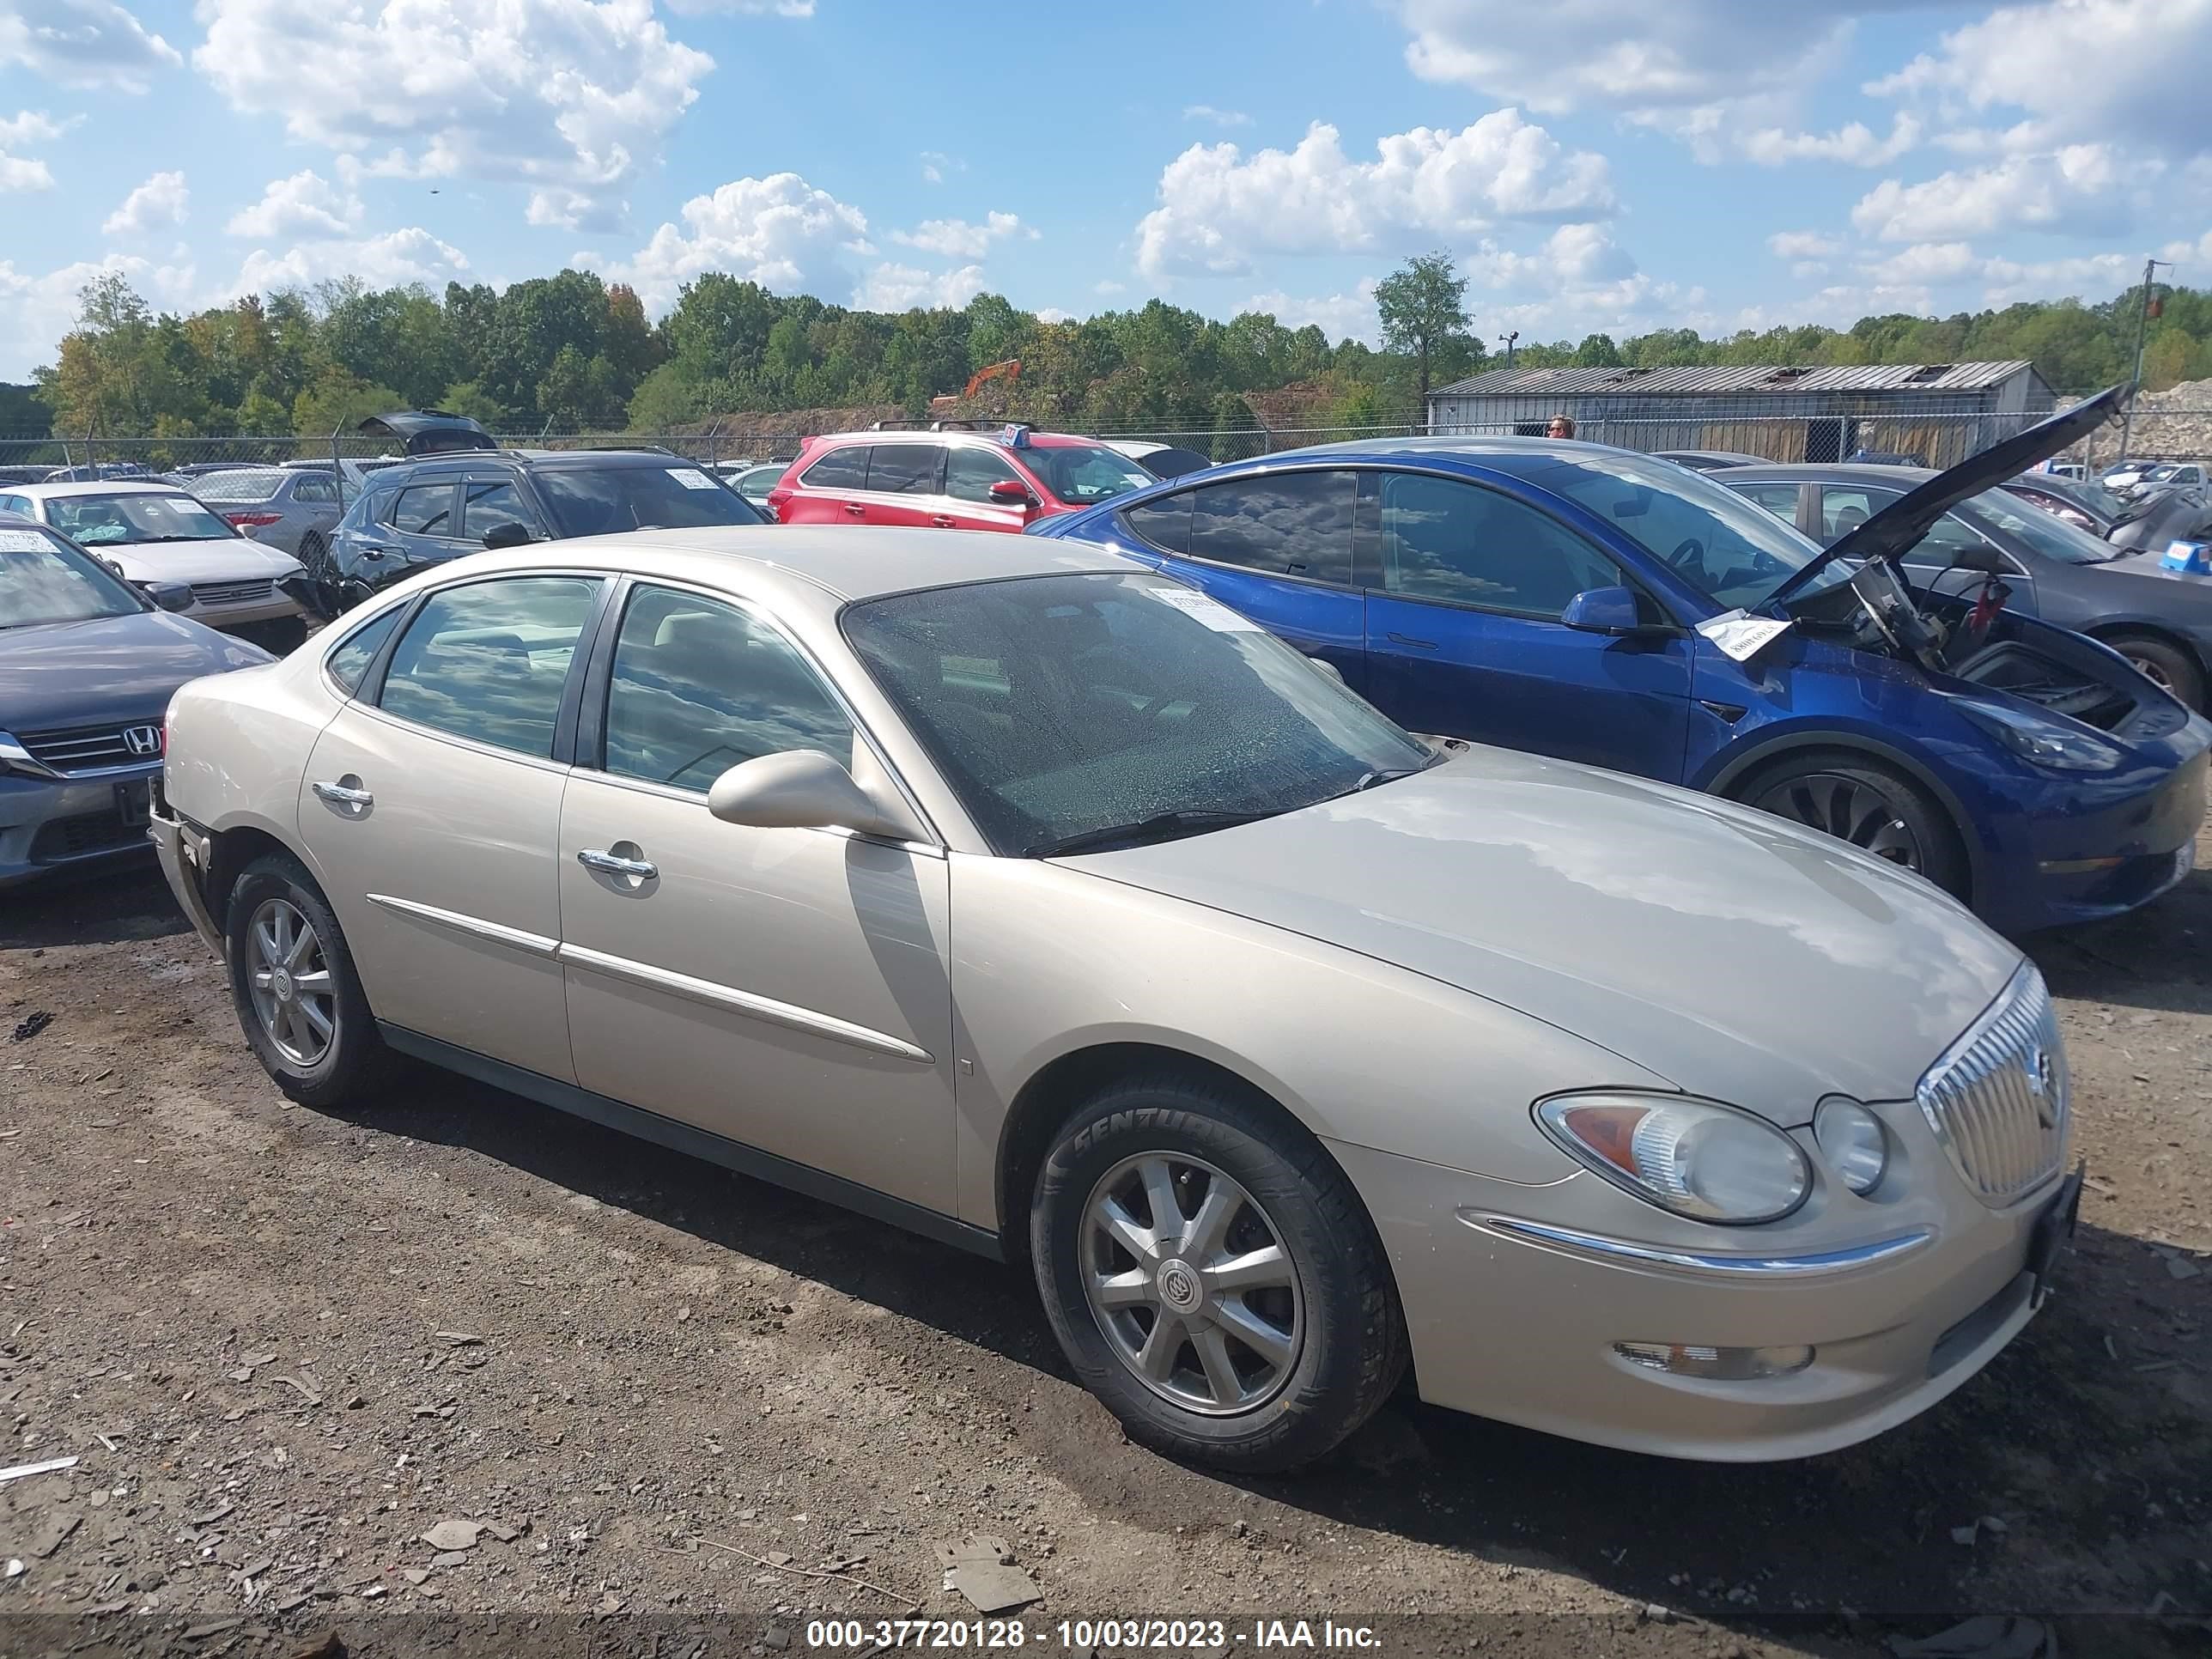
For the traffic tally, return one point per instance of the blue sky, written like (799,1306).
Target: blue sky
(1593,164)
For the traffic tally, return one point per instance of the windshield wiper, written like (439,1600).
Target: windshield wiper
(147,541)
(1160,826)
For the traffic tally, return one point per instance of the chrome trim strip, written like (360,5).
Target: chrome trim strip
(514,939)
(716,995)
(1722,1263)
(17,757)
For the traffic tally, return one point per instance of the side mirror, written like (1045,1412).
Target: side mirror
(507,535)
(1327,668)
(1604,610)
(170,596)
(1012,492)
(804,789)
(1987,560)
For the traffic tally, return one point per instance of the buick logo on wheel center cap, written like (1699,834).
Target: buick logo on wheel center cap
(281,984)
(1179,1286)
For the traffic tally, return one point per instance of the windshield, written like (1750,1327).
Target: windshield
(1081,473)
(2080,492)
(603,500)
(1062,706)
(120,519)
(245,484)
(1732,551)
(2001,511)
(45,580)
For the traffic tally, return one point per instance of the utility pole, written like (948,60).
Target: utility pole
(1508,339)
(2142,333)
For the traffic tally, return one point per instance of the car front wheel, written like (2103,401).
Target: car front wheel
(1212,1277)
(1876,808)
(292,982)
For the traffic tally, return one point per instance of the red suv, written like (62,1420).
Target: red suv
(1000,478)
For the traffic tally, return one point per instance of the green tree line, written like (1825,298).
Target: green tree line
(572,353)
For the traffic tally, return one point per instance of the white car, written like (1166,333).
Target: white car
(155,533)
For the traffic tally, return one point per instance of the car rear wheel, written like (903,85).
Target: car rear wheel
(1875,807)
(2165,665)
(293,983)
(1212,1277)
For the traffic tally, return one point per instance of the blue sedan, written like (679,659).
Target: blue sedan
(1610,607)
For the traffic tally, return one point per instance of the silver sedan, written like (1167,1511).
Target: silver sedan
(1018,895)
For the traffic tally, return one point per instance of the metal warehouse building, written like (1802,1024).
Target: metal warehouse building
(1934,413)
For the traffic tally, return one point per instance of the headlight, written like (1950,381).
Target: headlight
(1695,1157)
(2059,745)
(1854,1141)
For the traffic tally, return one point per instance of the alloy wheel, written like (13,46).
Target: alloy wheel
(2153,671)
(1850,808)
(1189,1280)
(290,976)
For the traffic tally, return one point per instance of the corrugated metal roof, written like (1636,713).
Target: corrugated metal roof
(1752,378)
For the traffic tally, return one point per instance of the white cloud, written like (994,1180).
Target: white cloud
(1054,314)
(161,201)
(35,312)
(779,232)
(956,239)
(304,205)
(1843,304)
(2074,188)
(1802,245)
(1220,208)
(2127,70)
(1570,54)
(2096,276)
(82,44)
(571,97)
(34,126)
(902,288)
(412,255)
(1108,285)
(1854,143)
(1924,262)
(1339,316)
(1220,118)
(935,164)
(18,174)
(1573,257)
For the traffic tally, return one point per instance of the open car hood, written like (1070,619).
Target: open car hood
(1898,526)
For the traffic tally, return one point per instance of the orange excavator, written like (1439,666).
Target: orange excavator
(1008,371)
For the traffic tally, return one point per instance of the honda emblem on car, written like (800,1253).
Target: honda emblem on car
(143,740)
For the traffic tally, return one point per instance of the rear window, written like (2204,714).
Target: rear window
(845,467)
(239,486)
(606,501)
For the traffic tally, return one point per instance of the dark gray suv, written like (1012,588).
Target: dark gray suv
(425,512)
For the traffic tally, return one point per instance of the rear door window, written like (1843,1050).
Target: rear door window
(425,509)
(906,470)
(1285,524)
(843,468)
(1163,522)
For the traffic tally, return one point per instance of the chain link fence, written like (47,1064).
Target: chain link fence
(1926,437)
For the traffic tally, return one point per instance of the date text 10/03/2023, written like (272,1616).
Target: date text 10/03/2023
(1085,1635)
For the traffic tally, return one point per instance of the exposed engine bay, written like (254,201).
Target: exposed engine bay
(1980,642)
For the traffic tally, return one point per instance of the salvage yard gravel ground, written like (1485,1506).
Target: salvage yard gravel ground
(463,1374)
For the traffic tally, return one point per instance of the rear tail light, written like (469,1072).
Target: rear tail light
(252,520)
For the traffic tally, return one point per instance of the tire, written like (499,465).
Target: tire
(1346,1345)
(1860,799)
(350,1060)
(2165,663)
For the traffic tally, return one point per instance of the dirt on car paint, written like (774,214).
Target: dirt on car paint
(671,1405)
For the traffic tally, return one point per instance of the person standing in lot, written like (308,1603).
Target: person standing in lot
(1562,426)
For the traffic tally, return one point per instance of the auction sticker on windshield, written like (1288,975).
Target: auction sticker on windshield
(24,541)
(1214,614)
(692,477)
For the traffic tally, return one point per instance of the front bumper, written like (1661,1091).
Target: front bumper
(1512,1316)
(183,853)
(2090,848)
(48,824)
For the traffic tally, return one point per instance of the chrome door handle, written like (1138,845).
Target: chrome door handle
(856,509)
(339,795)
(641,869)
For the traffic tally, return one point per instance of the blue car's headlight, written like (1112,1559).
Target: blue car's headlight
(2062,745)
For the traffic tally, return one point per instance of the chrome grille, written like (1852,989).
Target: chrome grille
(1997,1097)
(88,748)
(232,592)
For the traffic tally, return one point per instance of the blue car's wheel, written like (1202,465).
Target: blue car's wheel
(1859,800)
